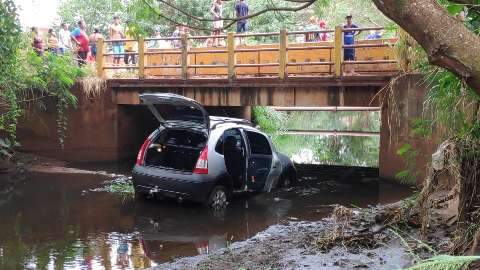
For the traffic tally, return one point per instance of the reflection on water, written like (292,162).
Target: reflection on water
(54,222)
(330,150)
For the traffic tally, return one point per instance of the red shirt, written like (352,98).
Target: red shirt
(82,38)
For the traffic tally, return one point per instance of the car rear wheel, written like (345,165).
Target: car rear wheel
(218,197)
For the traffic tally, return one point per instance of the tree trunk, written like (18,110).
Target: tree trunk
(446,40)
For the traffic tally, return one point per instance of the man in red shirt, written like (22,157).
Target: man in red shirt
(81,38)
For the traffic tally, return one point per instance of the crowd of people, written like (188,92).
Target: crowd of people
(83,46)
(76,41)
(124,47)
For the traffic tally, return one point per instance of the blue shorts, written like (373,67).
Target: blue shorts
(118,48)
(242,27)
(93,49)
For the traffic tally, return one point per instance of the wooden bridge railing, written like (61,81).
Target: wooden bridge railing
(227,60)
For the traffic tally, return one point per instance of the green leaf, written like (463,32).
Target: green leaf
(404,149)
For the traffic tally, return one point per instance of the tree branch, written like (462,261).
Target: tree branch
(447,41)
(306,3)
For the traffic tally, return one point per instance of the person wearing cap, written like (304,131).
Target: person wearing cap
(349,39)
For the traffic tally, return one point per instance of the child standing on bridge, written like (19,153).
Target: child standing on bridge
(217,11)
(349,39)
(116,33)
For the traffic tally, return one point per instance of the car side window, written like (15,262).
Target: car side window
(228,133)
(258,144)
(219,145)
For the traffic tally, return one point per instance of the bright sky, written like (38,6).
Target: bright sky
(40,13)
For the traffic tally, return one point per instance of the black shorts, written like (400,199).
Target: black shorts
(349,55)
(82,58)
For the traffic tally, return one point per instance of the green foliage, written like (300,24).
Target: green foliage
(10,37)
(450,102)
(445,262)
(6,147)
(364,13)
(450,107)
(334,150)
(54,75)
(26,77)
(409,175)
(271,121)
(122,186)
(145,20)
(421,127)
(95,13)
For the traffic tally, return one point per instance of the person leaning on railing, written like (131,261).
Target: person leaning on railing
(81,39)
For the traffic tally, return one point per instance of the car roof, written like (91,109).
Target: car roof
(216,121)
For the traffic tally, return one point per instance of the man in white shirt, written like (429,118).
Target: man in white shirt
(64,39)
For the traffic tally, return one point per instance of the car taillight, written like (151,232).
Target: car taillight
(143,149)
(202,164)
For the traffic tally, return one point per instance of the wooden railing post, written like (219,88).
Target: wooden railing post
(100,58)
(338,51)
(231,55)
(282,54)
(141,58)
(185,56)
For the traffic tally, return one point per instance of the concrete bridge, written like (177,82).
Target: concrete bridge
(284,73)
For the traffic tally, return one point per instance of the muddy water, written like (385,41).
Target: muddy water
(54,221)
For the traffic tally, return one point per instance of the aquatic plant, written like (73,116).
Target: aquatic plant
(121,186)
(446,262)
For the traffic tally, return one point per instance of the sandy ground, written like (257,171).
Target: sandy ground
(289,246)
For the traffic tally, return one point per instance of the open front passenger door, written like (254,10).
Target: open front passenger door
(259,160)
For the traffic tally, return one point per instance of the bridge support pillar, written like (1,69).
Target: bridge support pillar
(402,107)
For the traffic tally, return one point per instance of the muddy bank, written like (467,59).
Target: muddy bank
(300,245)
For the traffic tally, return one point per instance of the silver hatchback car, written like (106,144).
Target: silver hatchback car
(202,158)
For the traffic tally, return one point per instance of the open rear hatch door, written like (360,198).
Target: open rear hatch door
(175,111)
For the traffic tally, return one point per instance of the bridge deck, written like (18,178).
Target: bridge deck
(291,91)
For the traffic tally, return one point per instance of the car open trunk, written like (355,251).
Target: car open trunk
(177,149)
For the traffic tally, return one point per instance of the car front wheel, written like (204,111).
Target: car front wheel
(218,197)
